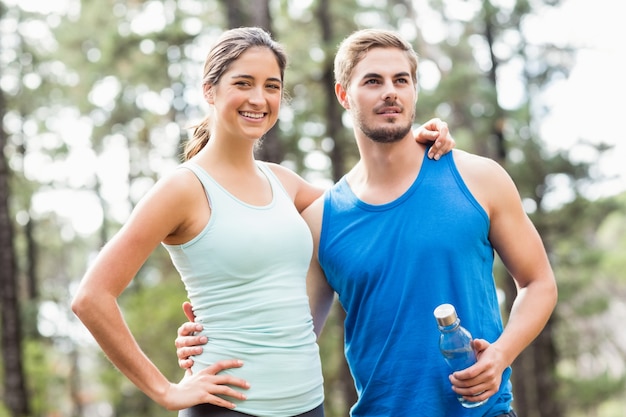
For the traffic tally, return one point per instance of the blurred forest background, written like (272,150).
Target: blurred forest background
(96,99)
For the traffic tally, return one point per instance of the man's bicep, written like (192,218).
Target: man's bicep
(320,293)
(515,238)
(521,249)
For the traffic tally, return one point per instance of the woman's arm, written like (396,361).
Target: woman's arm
(156,217)
(435,132)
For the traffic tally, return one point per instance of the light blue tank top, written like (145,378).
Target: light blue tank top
(245,276)
(391,265)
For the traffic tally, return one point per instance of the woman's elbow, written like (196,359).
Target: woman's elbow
(81,302)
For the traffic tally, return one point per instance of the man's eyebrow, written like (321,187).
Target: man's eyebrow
(372,75)
(376,75)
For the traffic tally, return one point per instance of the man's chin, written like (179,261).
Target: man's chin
(388,135)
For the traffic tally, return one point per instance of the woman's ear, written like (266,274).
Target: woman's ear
(208,93)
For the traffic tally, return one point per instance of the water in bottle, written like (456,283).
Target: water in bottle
(455,344)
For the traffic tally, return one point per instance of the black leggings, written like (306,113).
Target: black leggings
(210,410)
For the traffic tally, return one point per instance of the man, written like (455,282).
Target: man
(401,234)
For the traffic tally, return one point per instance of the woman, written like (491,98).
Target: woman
(232,227)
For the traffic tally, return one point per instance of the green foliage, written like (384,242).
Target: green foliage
(46,382)
(589,291)
(587,393)
(612,242)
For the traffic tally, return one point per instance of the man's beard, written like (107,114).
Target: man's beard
(390,133)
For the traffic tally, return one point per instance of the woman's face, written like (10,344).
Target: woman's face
(247,97)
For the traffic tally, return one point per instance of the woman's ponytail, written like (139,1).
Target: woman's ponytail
(201,136)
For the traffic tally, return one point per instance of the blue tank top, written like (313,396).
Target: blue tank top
(245,276)
(391,265)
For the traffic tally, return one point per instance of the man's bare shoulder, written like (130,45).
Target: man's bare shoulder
(464,158)
(476,166)
(487,180)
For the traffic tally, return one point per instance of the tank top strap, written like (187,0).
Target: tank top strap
(274,181)
(212,188)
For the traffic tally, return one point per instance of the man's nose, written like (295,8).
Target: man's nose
(390,93)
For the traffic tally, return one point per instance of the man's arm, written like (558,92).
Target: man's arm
(320,293)
(521,249)
(188,343)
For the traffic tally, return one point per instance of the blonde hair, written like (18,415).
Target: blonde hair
(353,48)
(227,49)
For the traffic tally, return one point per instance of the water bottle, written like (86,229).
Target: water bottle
(455,344)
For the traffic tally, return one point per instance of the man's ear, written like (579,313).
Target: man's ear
(342,96)
(208,93)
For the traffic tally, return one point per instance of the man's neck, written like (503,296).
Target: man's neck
(385,170)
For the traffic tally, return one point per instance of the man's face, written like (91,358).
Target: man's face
(382,95)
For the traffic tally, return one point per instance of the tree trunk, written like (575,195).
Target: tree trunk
(14,387)
(32,291)
(334,126)
(246,13)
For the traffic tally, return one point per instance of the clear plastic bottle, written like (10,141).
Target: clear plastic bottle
(455,344)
